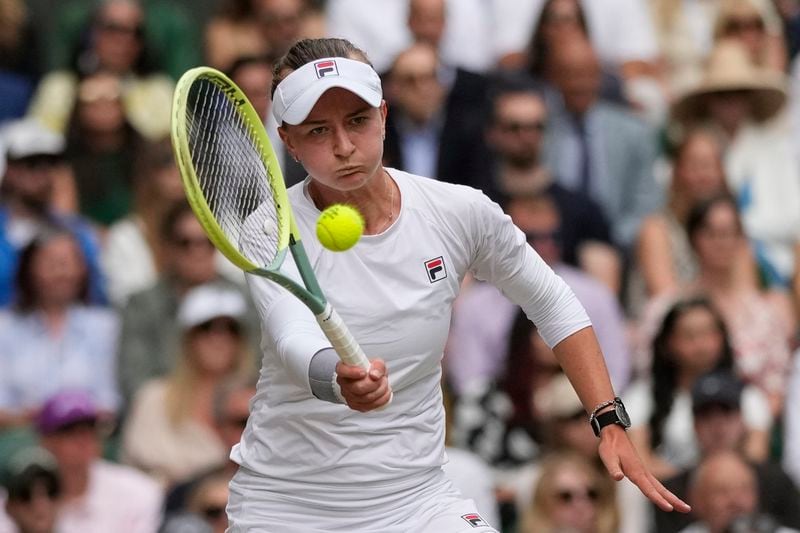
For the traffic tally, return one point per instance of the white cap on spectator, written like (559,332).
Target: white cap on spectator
(27,137)
(210,301)
(558,399)
(296,95)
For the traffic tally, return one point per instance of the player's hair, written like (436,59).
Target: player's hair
(308,50)
(665,368)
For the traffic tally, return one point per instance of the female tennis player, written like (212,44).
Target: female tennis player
(325,449)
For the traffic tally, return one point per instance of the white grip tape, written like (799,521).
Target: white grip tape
(343,342)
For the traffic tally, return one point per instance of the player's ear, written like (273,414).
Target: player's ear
(287,140)
(384,109)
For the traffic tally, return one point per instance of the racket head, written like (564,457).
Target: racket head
(230,171)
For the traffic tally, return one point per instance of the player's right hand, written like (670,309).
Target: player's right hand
(364,391)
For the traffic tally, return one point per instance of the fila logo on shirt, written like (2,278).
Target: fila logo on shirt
(435,269)
(326,68)
(474,519)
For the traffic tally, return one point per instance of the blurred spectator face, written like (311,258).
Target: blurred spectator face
(560,16)
(215,345)
(118,35)
(100,108)
(718,240)
(34,511)
(30,180)
(698,170)
(724,489)
(209,501)
(574,69)
(413,83)
(191,253)
(744,23)
(573,499)
(718,428)
(517,128)
(281,21)
(574,433)
(75,446)
(233,417)
(696,341)
(255,79)
(539,219)
(729,109)
(58,272)
(426,20)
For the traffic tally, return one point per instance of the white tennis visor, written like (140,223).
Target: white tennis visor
(296,95)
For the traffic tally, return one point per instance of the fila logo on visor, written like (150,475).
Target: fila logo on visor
(326,68)
(435,269)
(474,519)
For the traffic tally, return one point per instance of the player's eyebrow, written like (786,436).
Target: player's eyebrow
(363,109)
(358,111)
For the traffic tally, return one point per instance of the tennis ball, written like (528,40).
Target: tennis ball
(339,227)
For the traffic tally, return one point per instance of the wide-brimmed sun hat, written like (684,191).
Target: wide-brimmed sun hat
(729,69)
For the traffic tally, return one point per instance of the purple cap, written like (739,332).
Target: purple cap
(65,408)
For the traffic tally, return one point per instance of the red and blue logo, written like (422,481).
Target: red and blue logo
(326,68)
(474,519)
(436,269)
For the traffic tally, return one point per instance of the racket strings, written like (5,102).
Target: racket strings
(226,155)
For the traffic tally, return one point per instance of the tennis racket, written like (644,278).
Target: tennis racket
(235,187)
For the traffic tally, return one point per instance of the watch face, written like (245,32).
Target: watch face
(622,414)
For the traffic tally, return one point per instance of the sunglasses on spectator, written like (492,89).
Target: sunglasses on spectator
(568,496)
(539,236)
(517,127)
(35,162)
(742,24)
(186,243)
(25,494)
(219,325)
(122,29)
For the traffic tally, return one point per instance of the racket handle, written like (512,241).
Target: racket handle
(343,342)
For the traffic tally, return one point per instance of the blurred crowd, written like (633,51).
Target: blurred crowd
(648,149)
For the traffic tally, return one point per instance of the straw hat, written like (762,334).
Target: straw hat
(730,69)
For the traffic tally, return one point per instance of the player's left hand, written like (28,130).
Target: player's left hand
(364,391)
(621,460)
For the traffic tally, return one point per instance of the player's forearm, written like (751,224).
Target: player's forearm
(582,360)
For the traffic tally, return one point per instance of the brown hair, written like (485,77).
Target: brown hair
(308,50)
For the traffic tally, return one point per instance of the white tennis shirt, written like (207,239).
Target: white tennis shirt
(395,292)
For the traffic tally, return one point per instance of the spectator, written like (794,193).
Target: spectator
(515,135)
(209,499)
(719,426)
(479,343)
(170,432)
(434,128)
(741,102)
(150,336)
(102,146)
(53,339)
(33,487)
(614,170)
(685,32)
(742,21)
(95,495)
(33,191)
(167,29)
(20,64)
(133,255)
(665,258)
(115,46)
(233,32)
(231,404)
(692,340)
(571,495)
(724,496)
(759,331)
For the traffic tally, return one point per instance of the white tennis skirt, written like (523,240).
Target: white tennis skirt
(426,503)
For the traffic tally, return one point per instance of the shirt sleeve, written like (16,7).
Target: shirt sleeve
(755,409)
(290,330)
(502,256)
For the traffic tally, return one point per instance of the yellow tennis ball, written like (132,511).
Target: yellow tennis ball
(339,227)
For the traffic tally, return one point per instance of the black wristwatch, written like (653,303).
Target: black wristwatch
(618,416)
